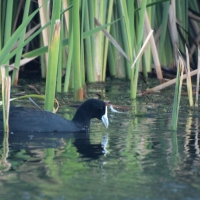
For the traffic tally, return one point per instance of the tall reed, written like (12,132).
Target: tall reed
(177,95)
(95,45)
(53,54)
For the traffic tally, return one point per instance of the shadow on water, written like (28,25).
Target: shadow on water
(35,141)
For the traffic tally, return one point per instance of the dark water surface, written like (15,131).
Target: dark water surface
(137,157)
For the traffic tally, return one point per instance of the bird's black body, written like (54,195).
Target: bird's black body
(30,120)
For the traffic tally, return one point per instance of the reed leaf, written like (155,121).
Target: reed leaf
(177,95)
(138,46)
(99,38)
(162,53)
(124,38)
(189,82)
(43,50)
(44,18)
(78,88)
(8,46)
(198,74)
(88,46)
(110,7)
(15,73)
(53,54)
(6,83)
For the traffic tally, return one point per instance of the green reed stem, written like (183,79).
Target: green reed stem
(53,54)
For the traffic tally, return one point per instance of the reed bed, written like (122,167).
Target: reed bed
(90,40)
(103,38)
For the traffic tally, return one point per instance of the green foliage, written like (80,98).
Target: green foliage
(177,95)
(98,38)
(53,54)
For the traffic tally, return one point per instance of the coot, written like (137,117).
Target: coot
(30,120)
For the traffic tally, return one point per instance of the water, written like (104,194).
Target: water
(136,158)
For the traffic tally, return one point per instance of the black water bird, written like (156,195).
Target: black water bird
(31,120)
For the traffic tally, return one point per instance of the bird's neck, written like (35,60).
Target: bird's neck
(81,118)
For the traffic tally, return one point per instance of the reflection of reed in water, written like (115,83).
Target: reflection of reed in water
(6,84)
(5,165)
(104,143)
(191,143)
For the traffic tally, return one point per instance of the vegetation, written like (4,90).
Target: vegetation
(90,40)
